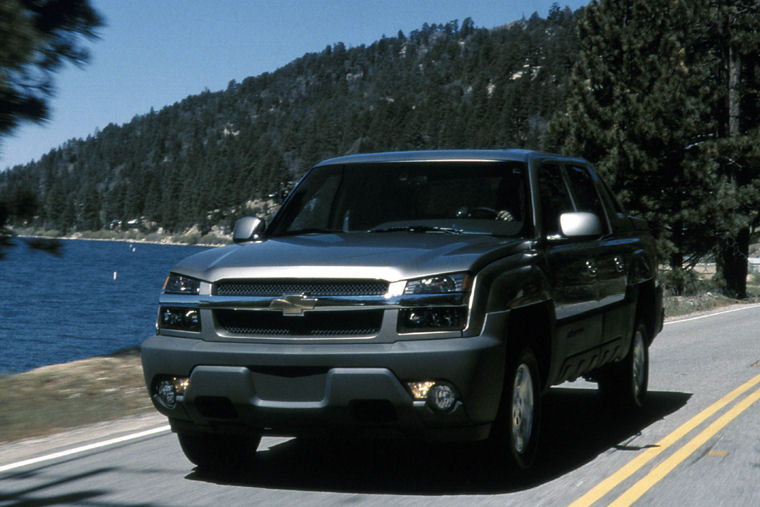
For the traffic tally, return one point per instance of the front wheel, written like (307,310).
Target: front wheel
(218,451)
(627,381)
(520,414)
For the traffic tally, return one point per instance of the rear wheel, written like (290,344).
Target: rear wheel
(219,451)
(517,429)
(627,381)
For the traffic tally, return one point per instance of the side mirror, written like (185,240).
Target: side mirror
(248,229)
(580,224)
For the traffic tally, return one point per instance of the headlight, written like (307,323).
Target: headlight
(432,319)
(178,284)
(440,284)
(179,318)
(442,307)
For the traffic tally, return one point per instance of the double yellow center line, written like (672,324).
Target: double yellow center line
(653,477)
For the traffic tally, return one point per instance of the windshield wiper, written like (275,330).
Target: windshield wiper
(420,228)
(310,230)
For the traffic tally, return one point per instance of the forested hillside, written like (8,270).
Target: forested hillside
(202,160)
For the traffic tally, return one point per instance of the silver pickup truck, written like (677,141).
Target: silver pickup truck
(429,294)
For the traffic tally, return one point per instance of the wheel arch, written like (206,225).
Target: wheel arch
(649,308)
(531,326)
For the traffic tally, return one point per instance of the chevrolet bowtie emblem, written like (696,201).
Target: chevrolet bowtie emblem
(294,304)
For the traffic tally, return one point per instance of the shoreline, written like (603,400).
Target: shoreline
(79,237)
(123,352)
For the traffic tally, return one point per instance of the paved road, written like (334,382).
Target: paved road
(698,443)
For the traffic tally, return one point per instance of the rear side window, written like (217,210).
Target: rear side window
(612,201)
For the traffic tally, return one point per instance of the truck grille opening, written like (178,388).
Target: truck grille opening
(324,324)
(373,411)
(215,407)
(279,287)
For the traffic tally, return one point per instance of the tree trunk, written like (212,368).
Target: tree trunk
(732,253)
(732,264)
(676,281)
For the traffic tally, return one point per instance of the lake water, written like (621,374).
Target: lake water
(59,308)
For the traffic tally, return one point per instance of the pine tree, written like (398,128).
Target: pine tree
(38,37)
(646,96)
(739,132)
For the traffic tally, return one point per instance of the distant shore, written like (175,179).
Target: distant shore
(153,238)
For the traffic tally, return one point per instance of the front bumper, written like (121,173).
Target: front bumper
(347,388)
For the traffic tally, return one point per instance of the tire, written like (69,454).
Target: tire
(518,427)
(218,451)
(626,382)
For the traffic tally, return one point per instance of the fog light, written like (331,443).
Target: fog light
(442,397)
(180,385)
(167,390)
(420,390)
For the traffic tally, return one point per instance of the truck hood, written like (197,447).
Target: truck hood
(388,256)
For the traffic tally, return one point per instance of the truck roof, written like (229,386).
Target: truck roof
(511,155)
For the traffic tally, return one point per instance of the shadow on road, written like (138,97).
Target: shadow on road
(577,426)
(33,495)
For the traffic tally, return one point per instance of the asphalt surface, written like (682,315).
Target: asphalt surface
(696,443)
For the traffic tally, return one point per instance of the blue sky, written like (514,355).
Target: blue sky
(153,53)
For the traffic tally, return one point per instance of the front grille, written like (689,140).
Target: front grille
(323,324)
(276,288)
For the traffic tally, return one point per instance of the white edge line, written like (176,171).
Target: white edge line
(84,448)
(748,307)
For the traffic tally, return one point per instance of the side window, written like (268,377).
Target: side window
(555,199)
(612,201)
(584,191)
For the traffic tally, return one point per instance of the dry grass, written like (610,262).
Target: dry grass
(705,295)
(62,396)
(682,305)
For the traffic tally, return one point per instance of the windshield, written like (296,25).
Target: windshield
(479,198)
